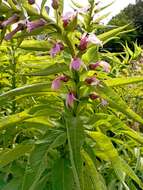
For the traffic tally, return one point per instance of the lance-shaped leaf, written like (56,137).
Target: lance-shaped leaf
(115,101)
(15,153)
(51,70)
(123,81)
(92,171)
(35,45)
(111,153)
(75,135)
(62,176)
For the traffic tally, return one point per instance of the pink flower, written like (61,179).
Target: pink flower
(70,99)
(75,64)
(106,67)
(68,17)
(88,38)
(10,20)
(56,84)
(56,49)
(83,42)
(94,40)
(92,81)
(55,4)
(35,24)
(19,27)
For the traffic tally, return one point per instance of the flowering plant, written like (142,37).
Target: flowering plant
(69,131)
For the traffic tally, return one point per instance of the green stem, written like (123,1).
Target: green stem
(13,80)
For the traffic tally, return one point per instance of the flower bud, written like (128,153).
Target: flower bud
(70,99)
(31,2)
(13,19)
(56,49)
(92,81)
(35,24)
(75,64)
(93,96)
(55,4)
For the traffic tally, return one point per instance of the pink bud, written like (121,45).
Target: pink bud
(56,49)
(93,96)
(70,99)
(10,20)
(75,64)
(19,27)
(83,42)
(93,66)
(92,81)
(35,24)
(56,84)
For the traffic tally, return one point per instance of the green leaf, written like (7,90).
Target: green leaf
(123,81)
(114,32)
(10,95)
(75,135)
(115,101)
(51,70)
(35,45)
(111,153)
(62,176)
(13,154)
(14,119)
(91,169)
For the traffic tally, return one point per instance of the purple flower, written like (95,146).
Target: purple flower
(31,2)
(56,49)
(55,4)
(92,38)
(10,20)
(75,64)
(92,81)
(70,99)
(88,38)
(68,17)
(56,84)
(35,24)
(104,102)
(106,67)
(19,27)
(83,42)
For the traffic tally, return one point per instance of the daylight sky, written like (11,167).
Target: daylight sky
(114,9)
